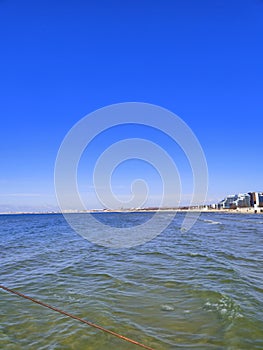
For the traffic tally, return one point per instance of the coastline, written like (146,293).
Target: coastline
(145,210)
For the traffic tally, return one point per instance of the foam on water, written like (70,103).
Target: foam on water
(225,307)
(212,222)
(166,307)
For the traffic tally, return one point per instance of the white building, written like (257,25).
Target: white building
(227,202)
(240,200)
(243,200)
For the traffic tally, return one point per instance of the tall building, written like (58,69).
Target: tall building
(227,203)
(241,200)
(256,199)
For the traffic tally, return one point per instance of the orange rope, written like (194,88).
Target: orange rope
(77,318)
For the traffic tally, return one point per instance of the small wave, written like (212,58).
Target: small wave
(166,307)
(212,222)
(196,255)
(225,307)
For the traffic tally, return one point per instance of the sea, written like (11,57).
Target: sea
(197,289)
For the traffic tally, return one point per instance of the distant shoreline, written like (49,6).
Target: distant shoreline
(145,210)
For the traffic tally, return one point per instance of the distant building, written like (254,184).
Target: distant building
(227,203)
(256,199)
(241,200)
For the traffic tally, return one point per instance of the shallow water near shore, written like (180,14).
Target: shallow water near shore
(201,289)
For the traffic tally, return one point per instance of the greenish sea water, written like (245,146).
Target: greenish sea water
(201,289)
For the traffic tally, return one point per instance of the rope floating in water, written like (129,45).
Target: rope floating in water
(91,324)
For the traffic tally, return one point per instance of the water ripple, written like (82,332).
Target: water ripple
(200,289)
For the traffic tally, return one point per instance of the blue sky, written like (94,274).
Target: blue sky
(61,60)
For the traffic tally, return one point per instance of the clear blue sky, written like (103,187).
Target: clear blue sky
(60,60)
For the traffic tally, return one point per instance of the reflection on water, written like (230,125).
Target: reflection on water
(201,289)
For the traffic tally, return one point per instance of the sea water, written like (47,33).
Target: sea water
(197,289)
